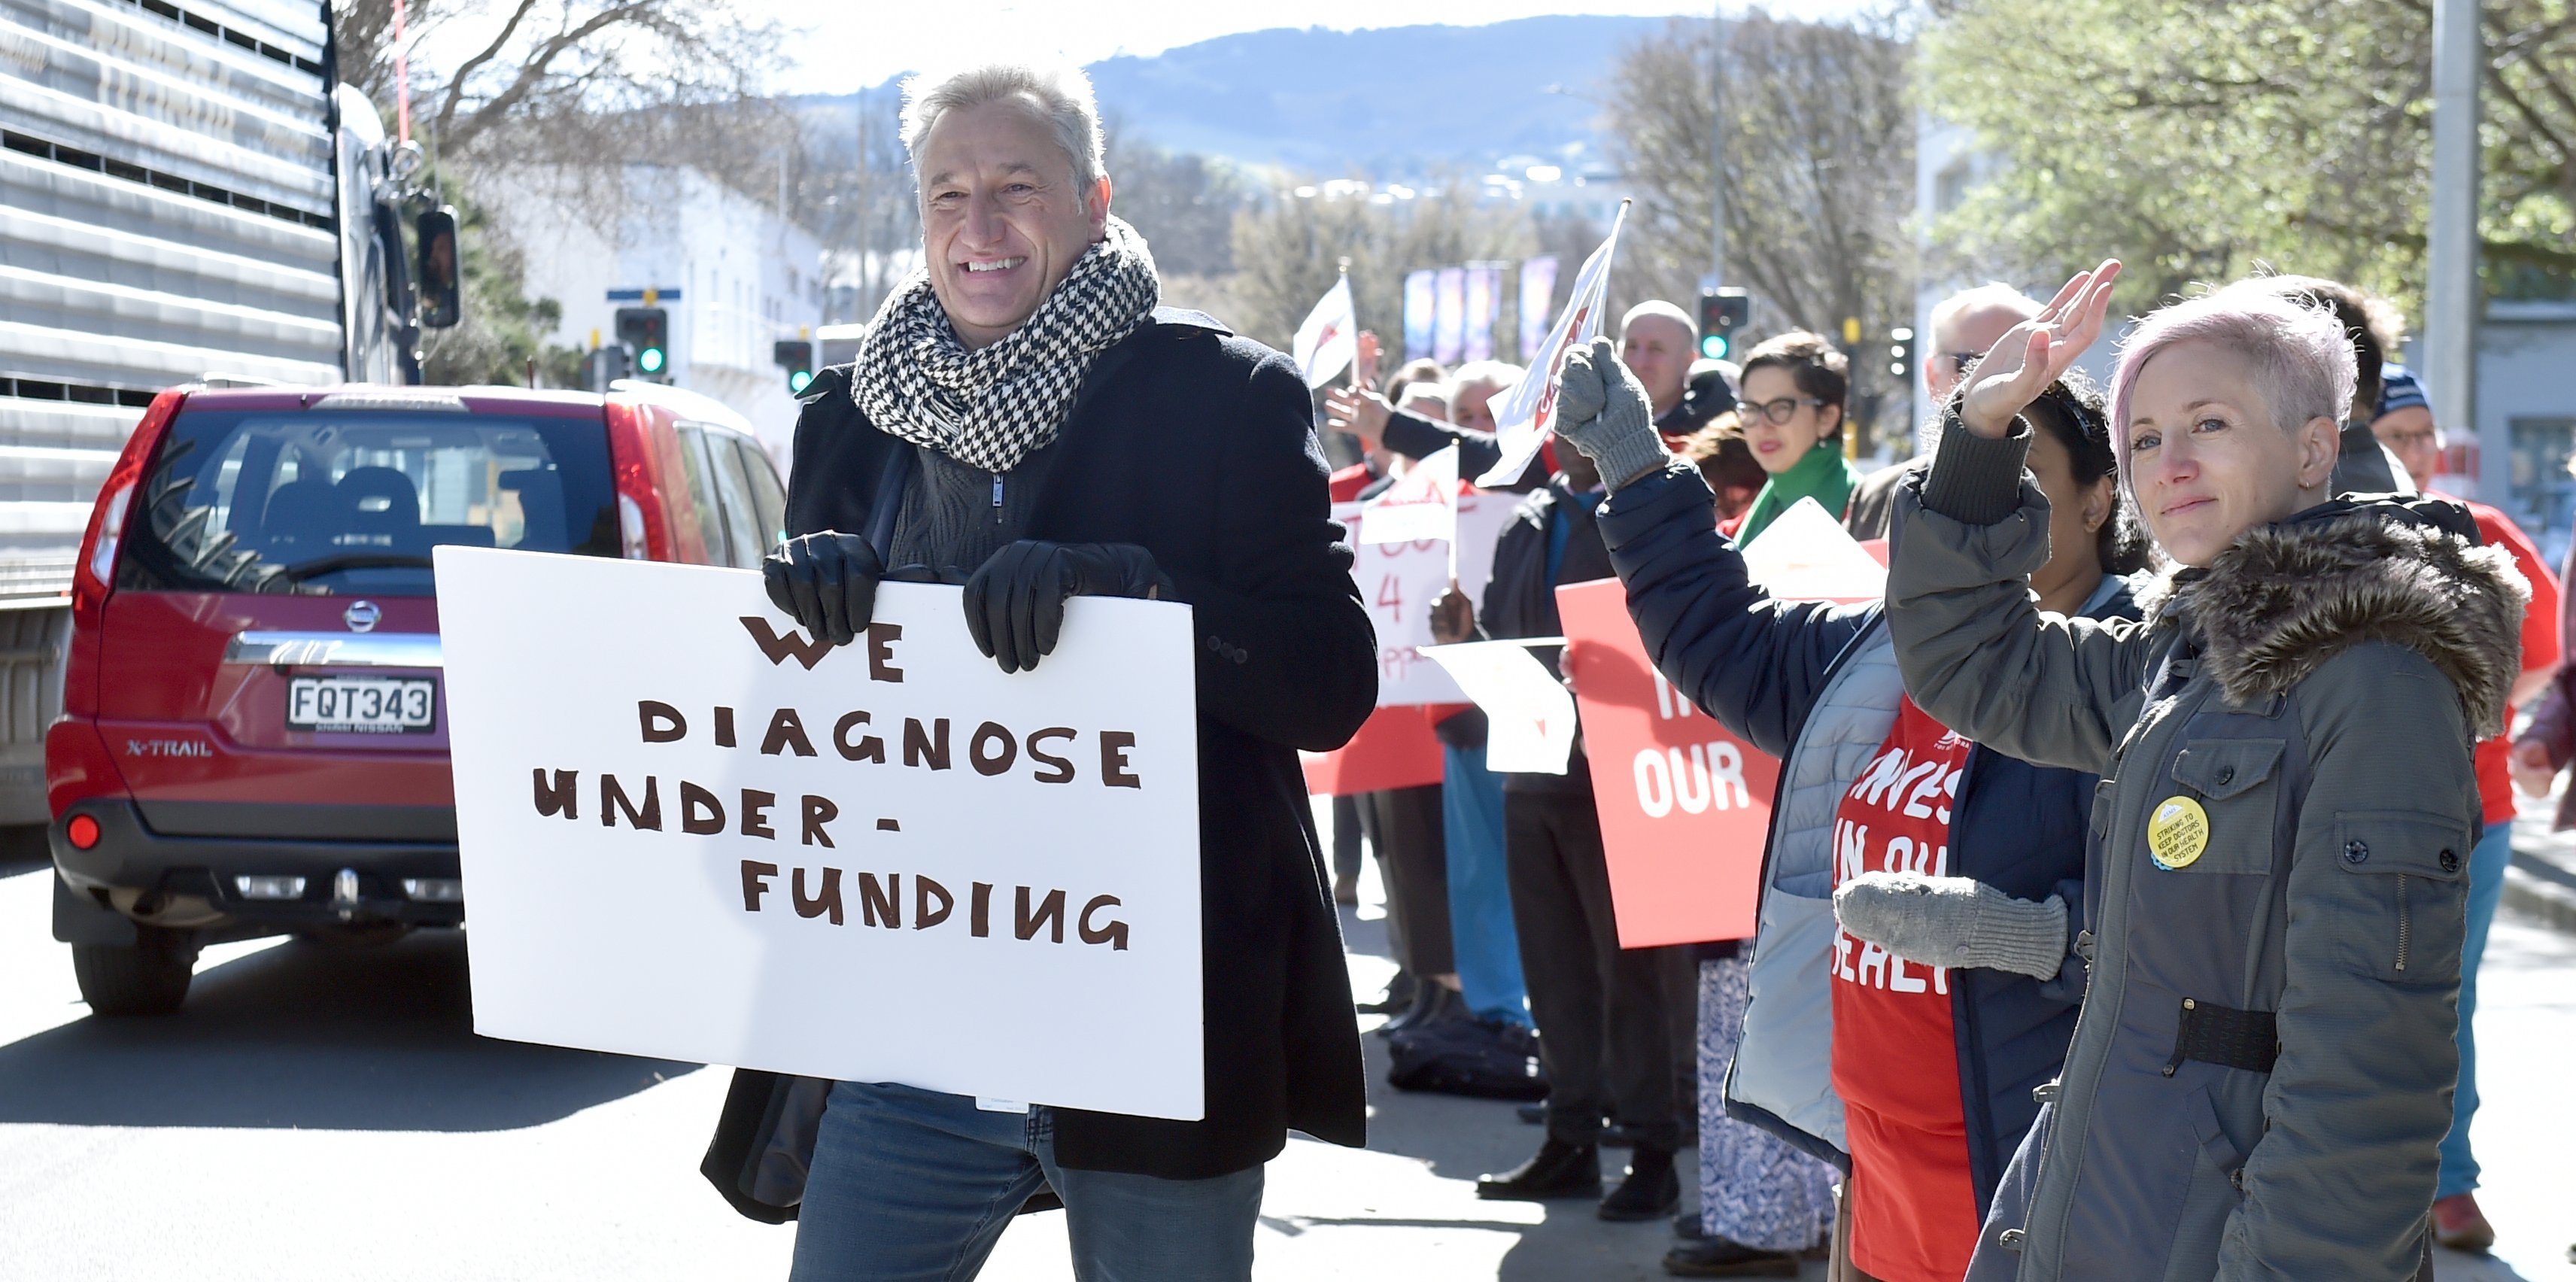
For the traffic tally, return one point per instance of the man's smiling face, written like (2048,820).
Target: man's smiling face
(1002,216)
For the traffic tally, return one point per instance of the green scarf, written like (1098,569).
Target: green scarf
(1823,476)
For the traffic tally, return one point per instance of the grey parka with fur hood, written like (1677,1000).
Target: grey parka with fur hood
(2278,864)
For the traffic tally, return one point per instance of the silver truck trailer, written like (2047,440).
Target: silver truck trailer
(186,194)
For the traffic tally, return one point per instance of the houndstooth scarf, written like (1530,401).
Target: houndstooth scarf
(995,406)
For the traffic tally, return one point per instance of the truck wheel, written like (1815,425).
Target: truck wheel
(149,978)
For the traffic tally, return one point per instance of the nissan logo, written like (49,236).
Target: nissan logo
(361,616)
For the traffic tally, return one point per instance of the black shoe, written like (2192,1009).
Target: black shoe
(1716,1257)
(1533,1114)
(1437,1004)
(1399,996)
(1559,1170)
(1651,1191)
(1686,1226)
(1614,1135)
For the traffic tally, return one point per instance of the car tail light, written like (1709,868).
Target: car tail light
(95,573)
(640,513)
(82,832)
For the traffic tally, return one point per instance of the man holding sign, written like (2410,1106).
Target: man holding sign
(1024,419)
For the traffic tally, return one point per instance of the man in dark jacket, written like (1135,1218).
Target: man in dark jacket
(1023,415)
(1603,1012)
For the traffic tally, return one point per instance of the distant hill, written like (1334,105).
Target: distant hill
(1394,102)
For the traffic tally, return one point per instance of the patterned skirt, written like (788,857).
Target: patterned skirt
(1754,1189)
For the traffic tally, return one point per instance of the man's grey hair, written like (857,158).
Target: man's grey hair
(1994,294)
(1502,375)
(1059,95)
(1658,307)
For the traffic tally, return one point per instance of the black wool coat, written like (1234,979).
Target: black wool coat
(1200,446)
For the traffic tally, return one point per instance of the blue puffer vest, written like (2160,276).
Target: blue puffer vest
(1817,686)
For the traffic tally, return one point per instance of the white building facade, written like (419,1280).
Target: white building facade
(734,275)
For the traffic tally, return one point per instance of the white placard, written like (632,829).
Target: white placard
(1529,714)
(1399,581)
(1422,504)
(1016,856)
(1807,555)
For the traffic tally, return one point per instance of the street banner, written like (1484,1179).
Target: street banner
(1421,504)
(1449,315)
(1421,291)
(1529,716)
(1538,291)
(1525,414)
(1395,748)
(1399,581)
(1685,804)
(1327,341)
(1484,303)
(718,841)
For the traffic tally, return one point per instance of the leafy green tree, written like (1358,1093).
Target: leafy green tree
(2198,142)
(498,334)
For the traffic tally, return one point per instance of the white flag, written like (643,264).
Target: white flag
(1525,415)
(1329,340)
(1421,504)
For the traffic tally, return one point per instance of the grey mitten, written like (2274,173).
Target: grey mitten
(1957,922)
(1603,410)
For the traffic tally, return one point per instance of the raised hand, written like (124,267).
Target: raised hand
(1358,411)
(2037,352)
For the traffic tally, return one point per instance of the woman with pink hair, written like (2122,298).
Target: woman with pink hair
(2273,908)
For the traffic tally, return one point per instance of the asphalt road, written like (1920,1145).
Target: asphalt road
(329,1114)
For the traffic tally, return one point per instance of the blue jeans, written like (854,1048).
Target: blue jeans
(1486,947)
(2486,890)
(911,1185)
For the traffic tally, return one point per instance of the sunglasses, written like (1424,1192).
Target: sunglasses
(1778,412)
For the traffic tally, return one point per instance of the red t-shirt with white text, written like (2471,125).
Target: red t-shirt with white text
(1913,1202)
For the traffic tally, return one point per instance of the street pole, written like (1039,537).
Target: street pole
(2452,292)
(1717,148)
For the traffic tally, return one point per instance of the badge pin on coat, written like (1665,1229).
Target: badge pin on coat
(2177,832)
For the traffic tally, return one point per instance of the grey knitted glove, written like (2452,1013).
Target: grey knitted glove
(1956,922)
(1602,408)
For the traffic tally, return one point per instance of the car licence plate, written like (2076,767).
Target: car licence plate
(365,705)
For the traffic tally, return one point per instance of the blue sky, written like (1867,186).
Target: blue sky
(849,46)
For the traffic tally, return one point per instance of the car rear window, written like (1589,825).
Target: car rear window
(343,502)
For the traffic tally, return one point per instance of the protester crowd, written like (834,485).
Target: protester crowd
(2184,987)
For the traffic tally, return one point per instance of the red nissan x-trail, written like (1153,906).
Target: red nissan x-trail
(254,738)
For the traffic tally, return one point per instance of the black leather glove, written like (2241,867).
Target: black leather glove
(827,582)
(1015,604)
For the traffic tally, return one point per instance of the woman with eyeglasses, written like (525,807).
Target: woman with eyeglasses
(1791,407)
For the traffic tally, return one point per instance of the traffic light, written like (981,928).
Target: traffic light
(796,356)
(1900,354)
(646,331)
(604,366)
(1721,313)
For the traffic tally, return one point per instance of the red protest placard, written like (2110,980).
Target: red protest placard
(1685,805)
(1394,748)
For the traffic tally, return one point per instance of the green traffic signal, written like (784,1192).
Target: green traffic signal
(1713,347)
(798,381)
(650,360)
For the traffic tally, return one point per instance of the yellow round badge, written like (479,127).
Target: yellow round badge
(2177,832)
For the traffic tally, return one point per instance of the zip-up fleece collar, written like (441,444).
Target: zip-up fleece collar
(2286,597)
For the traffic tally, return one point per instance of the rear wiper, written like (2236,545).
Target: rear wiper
(355,561)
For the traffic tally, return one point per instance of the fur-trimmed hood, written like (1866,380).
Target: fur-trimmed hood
(2287,597)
